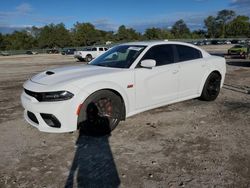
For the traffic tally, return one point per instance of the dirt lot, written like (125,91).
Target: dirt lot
(189,144)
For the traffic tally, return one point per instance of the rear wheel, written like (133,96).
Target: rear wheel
(100,113)
(88,58)
(211,87)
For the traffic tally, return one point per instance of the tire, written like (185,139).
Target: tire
(80,59)
(101,113)
(211,87)
(88,58)
(244,55)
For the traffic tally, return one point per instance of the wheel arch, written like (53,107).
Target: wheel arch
(88,54)
(205,78)
(116,89)
(123,117)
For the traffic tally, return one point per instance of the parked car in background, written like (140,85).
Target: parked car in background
(4,53)
(89,53)
(235,41)
(29,52)
(52,51)
(126,80)
(227,42)
(69,51)
(206,42)
(200,43)
(239,50)
(214,42)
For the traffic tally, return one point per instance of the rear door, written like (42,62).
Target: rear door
(192,69)
(161,83)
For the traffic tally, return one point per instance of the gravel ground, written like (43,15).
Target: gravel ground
(188,144)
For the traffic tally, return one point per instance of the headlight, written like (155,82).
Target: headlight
(50,96)
(56,96)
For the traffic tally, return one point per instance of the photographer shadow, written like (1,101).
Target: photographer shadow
(93,164)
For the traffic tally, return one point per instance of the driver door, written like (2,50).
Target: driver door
(160,84)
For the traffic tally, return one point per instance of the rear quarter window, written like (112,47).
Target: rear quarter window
(186,53)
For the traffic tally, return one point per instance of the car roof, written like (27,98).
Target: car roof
(152,43)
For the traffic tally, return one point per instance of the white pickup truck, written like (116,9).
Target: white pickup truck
(89,53)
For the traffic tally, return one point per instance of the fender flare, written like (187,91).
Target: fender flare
(97,86)
(205,78)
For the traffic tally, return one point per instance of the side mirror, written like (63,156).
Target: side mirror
(148,63)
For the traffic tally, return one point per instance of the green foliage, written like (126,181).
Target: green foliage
(239,27)
(1,42)
(52,36)
(212,27)
(18,40)
(225,24)
(223,17)
(157,34)
(85,34)
(180,30)
(198,34)
(126,34)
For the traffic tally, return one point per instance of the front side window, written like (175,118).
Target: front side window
(94,49)
(162,54)
(119,57)
(186,53)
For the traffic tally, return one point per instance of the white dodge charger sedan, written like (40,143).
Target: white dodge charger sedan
(126,80)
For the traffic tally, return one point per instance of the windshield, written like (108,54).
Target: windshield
(119,56)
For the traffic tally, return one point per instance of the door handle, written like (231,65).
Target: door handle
(175,71)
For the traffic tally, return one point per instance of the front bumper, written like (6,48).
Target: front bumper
(63,111)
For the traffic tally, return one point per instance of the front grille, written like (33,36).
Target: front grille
(32,117)
(36,95)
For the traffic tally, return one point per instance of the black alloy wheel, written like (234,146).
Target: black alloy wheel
(211,88)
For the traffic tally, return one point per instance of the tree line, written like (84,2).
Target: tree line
(226,24)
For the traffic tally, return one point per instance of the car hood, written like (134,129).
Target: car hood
(72,73)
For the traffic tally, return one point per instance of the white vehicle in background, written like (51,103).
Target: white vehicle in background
(89,53)
(126,80)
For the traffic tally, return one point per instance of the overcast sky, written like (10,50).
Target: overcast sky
(110,14)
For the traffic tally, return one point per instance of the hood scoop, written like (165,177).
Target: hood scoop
(49,72)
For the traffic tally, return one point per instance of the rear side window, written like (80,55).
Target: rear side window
(100,49)
(186,53)
(162,54)
(94,49)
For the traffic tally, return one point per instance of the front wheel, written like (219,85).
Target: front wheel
(211,87)
(101,113)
